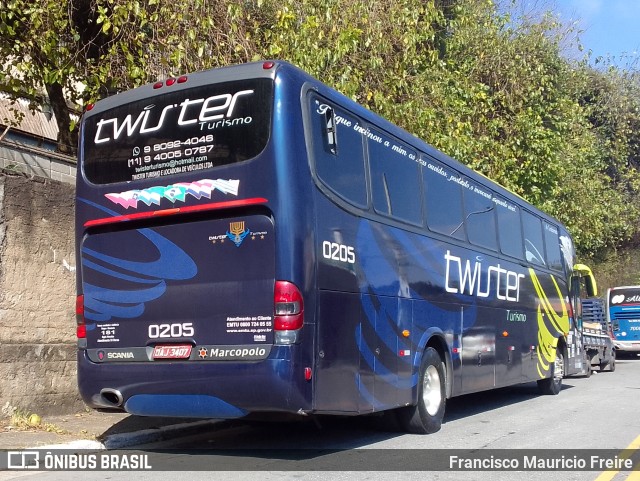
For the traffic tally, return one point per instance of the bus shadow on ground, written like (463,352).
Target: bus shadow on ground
(321,432)
(485,401)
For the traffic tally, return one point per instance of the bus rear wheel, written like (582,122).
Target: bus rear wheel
(426,416)
(553,384)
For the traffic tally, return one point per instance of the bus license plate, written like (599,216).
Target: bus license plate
(180,351)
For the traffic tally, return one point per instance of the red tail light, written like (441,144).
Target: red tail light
(81,330)
(288,307)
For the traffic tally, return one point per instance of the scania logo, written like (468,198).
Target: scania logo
(120,355)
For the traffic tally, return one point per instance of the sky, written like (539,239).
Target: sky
(610,27)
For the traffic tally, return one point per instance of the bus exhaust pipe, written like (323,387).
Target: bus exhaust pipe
(111,397)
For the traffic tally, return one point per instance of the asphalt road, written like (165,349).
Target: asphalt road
(599,414)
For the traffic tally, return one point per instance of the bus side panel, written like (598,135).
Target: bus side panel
(371,302)
(501,322)
(337,368)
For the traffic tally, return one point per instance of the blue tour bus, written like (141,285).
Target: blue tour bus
(252,241)
(623,312)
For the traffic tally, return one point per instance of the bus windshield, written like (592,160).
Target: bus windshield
(625,297)
(181,131)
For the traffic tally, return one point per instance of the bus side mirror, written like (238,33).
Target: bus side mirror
(331,133)
(589,280)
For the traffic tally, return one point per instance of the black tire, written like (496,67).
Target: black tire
(612,362)
(426,416)
(588,370)
(552,385)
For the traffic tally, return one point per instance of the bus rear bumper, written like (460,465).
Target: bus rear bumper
(216,390)
(627,346)
(181,405)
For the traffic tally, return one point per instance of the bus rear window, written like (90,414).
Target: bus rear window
(181,131)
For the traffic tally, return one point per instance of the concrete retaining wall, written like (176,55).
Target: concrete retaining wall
(37,296)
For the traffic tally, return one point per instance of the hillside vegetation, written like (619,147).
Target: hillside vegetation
(493,89)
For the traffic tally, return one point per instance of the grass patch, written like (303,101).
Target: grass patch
(25,421)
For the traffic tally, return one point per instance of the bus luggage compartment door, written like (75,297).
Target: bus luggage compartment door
(206,285)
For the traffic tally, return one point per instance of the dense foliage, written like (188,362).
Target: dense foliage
(490,89)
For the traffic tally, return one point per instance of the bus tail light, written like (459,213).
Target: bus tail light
(81,328)
(289,313)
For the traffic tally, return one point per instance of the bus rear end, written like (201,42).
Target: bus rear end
(180,311)
(624,313)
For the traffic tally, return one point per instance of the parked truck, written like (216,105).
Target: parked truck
(597,334)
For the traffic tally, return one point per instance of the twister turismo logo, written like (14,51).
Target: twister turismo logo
(237,234)
(211,109)
(464,277)
(174,192)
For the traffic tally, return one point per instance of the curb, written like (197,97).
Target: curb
(133,439)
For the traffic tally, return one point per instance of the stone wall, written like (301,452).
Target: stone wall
(37,296)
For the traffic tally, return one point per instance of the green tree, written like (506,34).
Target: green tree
(74,52)
(486,83)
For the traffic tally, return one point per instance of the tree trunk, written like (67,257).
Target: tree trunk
(67,139)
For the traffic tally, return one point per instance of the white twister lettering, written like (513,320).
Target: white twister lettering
(465,277)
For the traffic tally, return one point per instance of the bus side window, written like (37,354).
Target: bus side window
(341,170)
(443,200)
(509,228)
(533,244)
(394,179)
(480,217)
(552,245)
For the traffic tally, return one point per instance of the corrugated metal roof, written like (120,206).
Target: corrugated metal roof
(37,123)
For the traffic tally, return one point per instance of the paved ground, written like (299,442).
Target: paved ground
(93,430)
